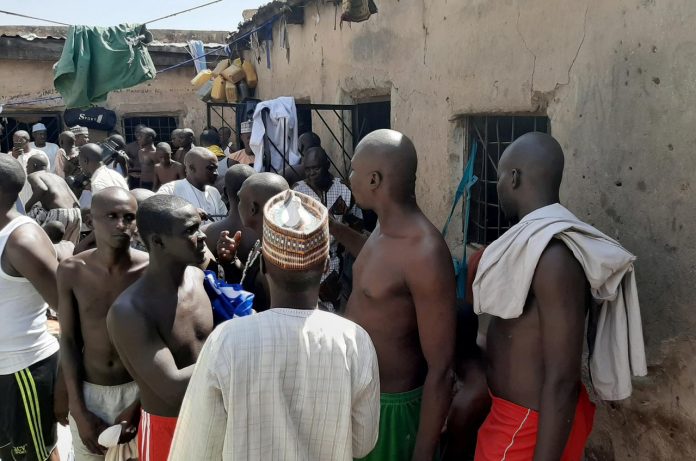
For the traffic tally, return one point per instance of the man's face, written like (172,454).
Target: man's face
(176,141)
(164,156)
(186,243)
(205,170)
(359,180)
(246,137)
(40,137)
(114,223)
(81,139)
(19,141)
(66,143)
(315,168)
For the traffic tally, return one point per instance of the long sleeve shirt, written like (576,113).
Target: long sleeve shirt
(285,385)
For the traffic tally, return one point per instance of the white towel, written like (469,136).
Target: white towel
(505,275)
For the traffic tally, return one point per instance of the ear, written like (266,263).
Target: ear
(254,208)
(375,179)
(516,178)
(157,241)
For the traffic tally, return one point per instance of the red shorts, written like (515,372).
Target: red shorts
(155,436)
(510,431)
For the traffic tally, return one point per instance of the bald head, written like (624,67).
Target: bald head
(141,195)
(21,134)
(308,140)
(384,166)
(196,154)
(254,194)
(530,172)
(234,178)
(91,152)
(36,163)
(201,167)
(105,199)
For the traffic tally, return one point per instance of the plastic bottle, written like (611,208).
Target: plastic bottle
(202,77)
(231,92)
(217,94)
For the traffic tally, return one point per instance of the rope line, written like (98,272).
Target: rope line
(184,11)
(11,13)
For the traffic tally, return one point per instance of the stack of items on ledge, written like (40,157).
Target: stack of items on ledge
(231,81)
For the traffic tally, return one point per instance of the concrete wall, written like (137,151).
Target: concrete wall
(169,94)
(616,80)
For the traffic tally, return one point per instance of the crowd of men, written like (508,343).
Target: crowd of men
(358,347)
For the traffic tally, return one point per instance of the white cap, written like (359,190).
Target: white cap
(38,127)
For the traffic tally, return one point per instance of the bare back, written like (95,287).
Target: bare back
(54,192)
(93,288)
(155,329)
(385,278)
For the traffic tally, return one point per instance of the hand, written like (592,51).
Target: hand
(60,403)
(17,151)
(89,426)
(202,214)
(227,247)
(129,419)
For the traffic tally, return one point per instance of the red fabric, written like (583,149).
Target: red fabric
(510,431)
(155,436)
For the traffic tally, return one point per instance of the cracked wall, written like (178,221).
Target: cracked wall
(616,80)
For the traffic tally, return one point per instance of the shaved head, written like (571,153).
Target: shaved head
(165,147)
(196,154)
(12,177)
(530,173)
(384,167)
(307,140)
(157,214)
(254,194)
(201,167)
(235,177)
(141,195)
(316,155)
(37,162)
(91,152)
(21,134)
(105,199)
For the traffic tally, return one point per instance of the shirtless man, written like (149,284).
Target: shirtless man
(55,196)
(404,296)
(132,149)
(534,359)
(184,143)
(167,170)
(100,389)
(148,157)
(234,178)
(159,324)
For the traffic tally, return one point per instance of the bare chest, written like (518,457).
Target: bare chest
(185,329)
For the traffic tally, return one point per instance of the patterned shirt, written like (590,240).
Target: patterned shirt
(285,384)
(337,191)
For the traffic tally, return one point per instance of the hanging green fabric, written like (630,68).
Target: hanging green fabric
(96,60)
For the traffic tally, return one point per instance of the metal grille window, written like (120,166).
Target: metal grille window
(163,126)
(493,135)
(24,121)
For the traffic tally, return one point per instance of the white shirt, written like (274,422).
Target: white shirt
(285,384)
(50,150)
(281,131)
(104,177)
(208,200)
(24,338)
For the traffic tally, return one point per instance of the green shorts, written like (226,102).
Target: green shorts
(398,426)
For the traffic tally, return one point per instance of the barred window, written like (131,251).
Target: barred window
(493,134)
(163,126)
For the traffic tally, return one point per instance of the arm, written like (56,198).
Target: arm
(201,428)
(348,237)
(157,182)
(60,163)
(89,426)
(138,343)
(560,288)
(38,188)
(365,411)
(31,254)
(430,279)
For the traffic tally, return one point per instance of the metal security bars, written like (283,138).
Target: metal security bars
(163,126)
(11,122)
(493,134)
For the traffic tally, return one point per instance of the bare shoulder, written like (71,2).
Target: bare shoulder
(428,242)
(128,307)
(139,258)
(29,237)
(557,257)
(195,273)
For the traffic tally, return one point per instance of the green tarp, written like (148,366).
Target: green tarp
(96,60)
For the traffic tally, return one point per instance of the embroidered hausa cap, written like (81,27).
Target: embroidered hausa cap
(78,130)
(295,231)
(246,126)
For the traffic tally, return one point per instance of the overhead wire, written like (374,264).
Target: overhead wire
(12,13)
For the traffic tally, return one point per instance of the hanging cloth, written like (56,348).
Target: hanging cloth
(96,60)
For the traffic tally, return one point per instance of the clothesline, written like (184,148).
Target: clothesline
(12,13)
